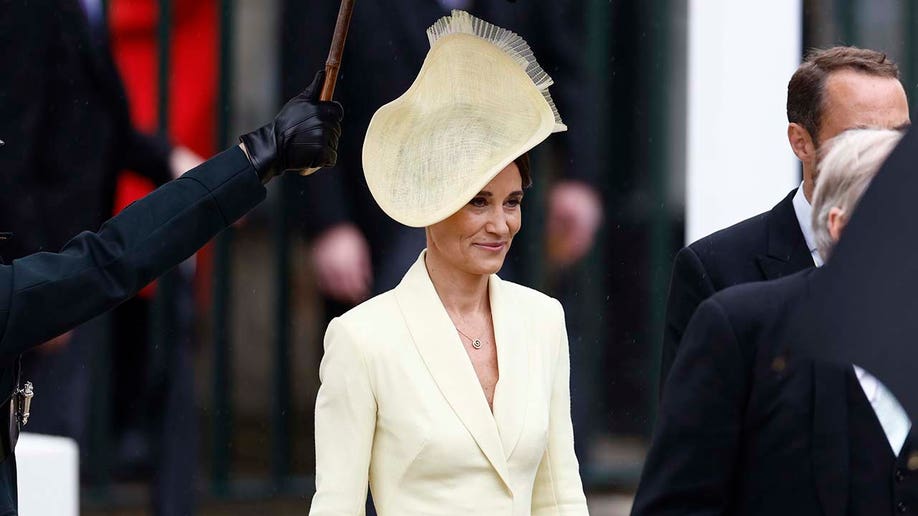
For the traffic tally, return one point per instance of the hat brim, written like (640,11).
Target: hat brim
(471,112)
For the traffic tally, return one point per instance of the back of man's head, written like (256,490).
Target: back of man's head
(805,91)
(848,165)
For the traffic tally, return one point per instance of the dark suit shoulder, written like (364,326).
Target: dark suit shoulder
(728,257)
(746,237)
(753,307)
(739,323)
(731,435)
(766,246)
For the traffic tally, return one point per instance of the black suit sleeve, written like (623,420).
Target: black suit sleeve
(689,286)
(46,294)
(691,465)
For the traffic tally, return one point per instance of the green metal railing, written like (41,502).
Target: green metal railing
(635,178)
(658,80)
(281,406)
(222,483)
(222,414)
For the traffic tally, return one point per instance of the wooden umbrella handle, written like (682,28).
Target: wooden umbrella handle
(333,63)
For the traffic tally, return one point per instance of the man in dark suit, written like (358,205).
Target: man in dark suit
(833,90)
(45,294)
(66,122)
(748,427)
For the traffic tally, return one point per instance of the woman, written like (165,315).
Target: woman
(449,394)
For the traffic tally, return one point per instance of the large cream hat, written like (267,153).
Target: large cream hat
(479,102)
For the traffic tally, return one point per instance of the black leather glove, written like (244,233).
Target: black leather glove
(303,136)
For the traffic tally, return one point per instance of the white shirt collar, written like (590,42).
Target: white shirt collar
(804,213)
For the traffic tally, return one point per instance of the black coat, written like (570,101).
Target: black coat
(744,428)
(765,247)
(66,124)
(46,294)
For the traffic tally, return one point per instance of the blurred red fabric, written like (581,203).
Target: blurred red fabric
(134,29)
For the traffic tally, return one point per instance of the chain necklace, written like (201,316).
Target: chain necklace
(476,343)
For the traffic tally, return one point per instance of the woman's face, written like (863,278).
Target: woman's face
(475,239)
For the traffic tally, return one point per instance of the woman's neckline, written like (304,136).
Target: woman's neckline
(460,293)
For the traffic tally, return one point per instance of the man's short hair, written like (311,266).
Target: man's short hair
(848,163)
(805,91)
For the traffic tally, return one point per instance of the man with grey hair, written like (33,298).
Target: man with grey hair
(743,429)
(846,170)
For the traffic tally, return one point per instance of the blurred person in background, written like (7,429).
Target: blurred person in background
(63,106)
(450,392)
(45,294)
(357,251)
(833,90)
(747,427)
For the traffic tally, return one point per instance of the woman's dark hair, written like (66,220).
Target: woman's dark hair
(522,163)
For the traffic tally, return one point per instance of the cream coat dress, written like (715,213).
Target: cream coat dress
(401,408)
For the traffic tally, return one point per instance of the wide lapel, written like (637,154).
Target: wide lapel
(787,249)
(438,343)
(830,438)
(513,361)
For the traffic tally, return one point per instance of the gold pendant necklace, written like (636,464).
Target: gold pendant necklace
(476,343)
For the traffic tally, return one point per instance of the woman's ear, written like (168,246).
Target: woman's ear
(836,223)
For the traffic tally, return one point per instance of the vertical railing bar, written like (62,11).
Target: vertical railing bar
(591,275)
(99,434)
(847,21)
(281,406)
(163,334)
(226,61)
(105,6)
(660,244)
(162,93)
(100,438)
(222,406)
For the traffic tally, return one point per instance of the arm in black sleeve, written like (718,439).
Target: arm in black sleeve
(691,465)
(689,286)
(46,294)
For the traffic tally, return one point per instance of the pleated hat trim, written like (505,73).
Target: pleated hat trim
(479,101)
(461,22)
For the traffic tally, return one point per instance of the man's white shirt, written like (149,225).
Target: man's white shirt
(892,416)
